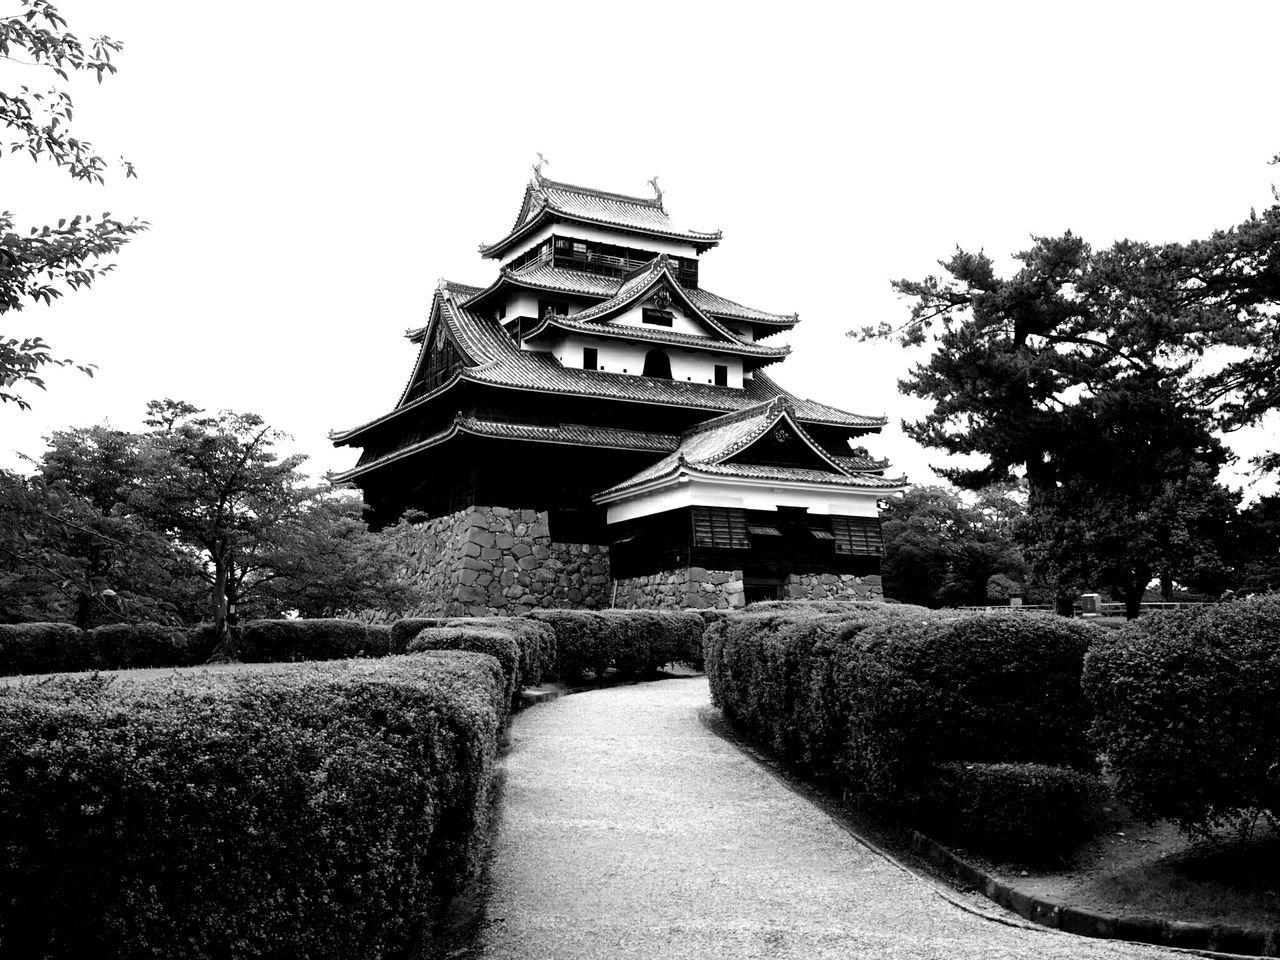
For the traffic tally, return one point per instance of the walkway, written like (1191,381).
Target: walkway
(629,829)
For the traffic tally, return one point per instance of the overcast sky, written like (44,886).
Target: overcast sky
(311,169)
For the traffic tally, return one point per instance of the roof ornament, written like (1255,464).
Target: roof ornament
(662,299)
(537,167)
(657,191)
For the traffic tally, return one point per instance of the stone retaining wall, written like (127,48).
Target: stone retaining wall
(694,587)
(833,586)
(489,560)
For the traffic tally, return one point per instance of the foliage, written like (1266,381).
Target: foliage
(1057,374)
(940,551)
(1027,811)
(633,642)
(1257,539)
(37,266)
(308,811)
(1188,713)
(493,641)
(278,641)
(536,640)
(875,697)
(43,648)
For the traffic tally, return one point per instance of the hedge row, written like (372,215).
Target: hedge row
(631,642)
(491,640)
(876,698)
(1188,713)
(27,648)
(536,641)
(316,810)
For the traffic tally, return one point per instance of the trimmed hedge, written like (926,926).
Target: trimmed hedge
(283,641)
(43,648)
(494,641)
(1188,712)
(873,697)
(315,810)
(1013,809)
(633,642)
(537,641)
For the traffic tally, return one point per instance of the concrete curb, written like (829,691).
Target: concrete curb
(1215,938)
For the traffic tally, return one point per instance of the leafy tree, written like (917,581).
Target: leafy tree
(1257,537)
(37,266)
(940,551)
(1067,374)
(216,485)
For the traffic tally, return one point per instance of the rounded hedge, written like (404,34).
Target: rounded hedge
(1188,712)
(493,641)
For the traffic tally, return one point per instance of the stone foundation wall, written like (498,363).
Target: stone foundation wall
(833,586)
(694,587)
(490,560)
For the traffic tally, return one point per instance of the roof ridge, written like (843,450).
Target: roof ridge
(735,416)
(546,183)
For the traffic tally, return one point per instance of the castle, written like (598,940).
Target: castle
(596,429)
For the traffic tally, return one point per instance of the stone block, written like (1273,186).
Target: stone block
(508,577)
(471,549)
(477,519)
(521,549)
(482,537)
(469,594)
(474,563)
(698,575)
(528,516)
(468,576)
(539,530)
(490,553)
(541,551)
(720,576)
(504,541)
(527,562)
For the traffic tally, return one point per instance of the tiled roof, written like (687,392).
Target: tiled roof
(708,447)
(573,434)
(584,204)
(633,289)
(499,361)
(545,276)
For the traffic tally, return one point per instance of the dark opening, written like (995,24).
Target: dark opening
(722,375)
(659,318)
(502,311)
(657,364)
(559,307)
(589,358)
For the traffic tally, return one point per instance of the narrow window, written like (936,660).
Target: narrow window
(722,375)
(657,364)
(659,318)
(589,358)
(502,312)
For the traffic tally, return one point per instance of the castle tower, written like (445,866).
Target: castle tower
(595,428)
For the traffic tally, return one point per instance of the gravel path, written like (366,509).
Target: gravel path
(629,829)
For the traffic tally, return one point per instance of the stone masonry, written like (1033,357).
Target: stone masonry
(833,586)
(694,587)
(488,560)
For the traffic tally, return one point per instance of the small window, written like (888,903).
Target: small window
(559,307)
(659,318)
(858,536)
(722,375)
(720,527)
(657,364)
(590,357)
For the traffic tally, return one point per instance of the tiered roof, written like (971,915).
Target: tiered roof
(634,289)
(710,448)
(493,357)
(546,201)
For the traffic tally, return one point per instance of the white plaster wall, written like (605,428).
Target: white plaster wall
(748,495)
(680,322)
(578,232)
(624,356)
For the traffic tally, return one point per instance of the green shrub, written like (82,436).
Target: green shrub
(43,648)
(633,642)
(1188,712)
(495,641)
(122,646)
(313,810)
(537,641)
(282,641)
(874,696)
(1026,811)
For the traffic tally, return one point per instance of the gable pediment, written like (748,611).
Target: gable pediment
(783,445)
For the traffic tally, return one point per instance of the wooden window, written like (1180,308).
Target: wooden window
(722,375)
(656,364)
(590,358)
(559,307)
(858,536)
(659,318)
(722,527)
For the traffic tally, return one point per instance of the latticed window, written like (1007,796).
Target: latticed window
(859,536)
(722,527)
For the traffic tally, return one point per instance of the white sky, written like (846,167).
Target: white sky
(311,169)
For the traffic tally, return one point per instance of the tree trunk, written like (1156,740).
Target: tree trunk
(1064,604)
(1133,599)
(84,603)
(1166,588)
(227,647)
